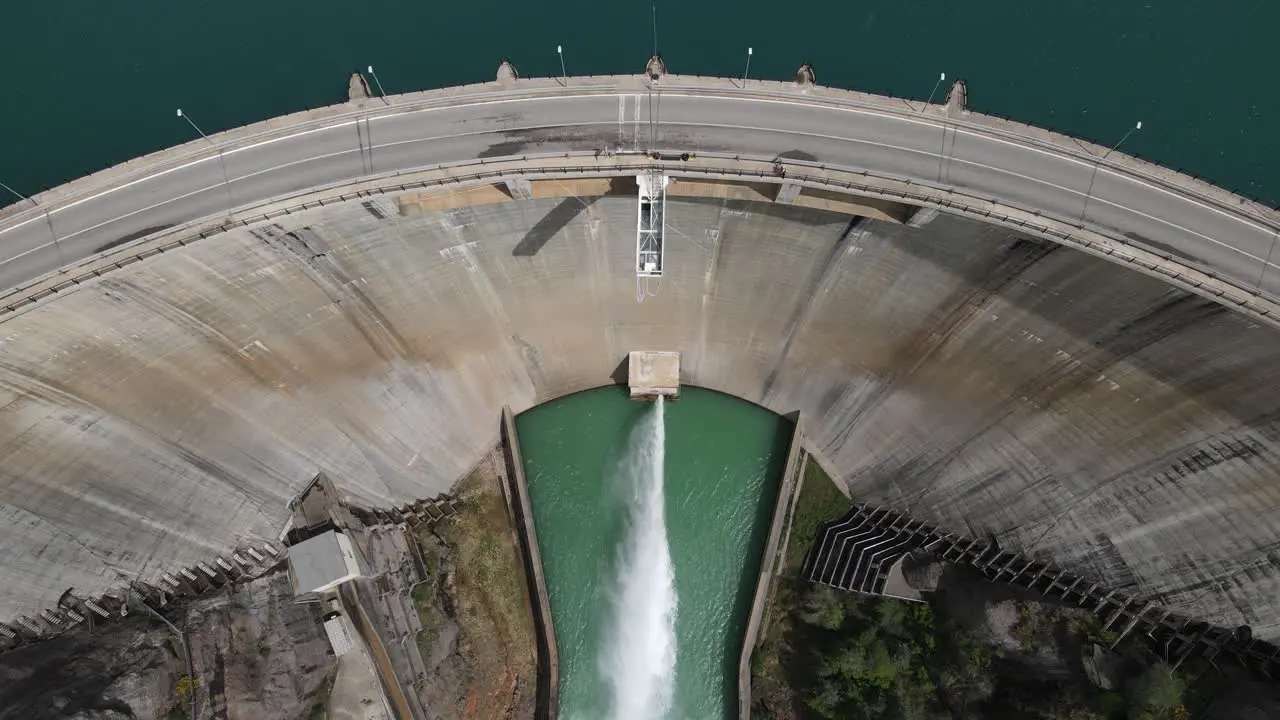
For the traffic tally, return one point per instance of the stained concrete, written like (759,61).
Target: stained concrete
(985,381)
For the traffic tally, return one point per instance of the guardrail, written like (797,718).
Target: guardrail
(1197,279)
(817,95)
(972,121)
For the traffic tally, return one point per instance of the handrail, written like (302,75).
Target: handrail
(409,102)
(1259,304)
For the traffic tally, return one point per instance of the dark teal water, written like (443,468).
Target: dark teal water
(724,458)
(90,84)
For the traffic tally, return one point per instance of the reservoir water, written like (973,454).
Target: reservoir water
(652,521)
(90,84)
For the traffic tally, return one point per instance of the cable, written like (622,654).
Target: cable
(653,4)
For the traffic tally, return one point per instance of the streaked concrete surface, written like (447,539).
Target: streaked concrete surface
(987,382)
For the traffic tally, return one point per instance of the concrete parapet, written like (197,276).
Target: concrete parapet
(519,188)
(866,186)
(770,560)
(1177,182)
(548,692)
(922,216)
(787,193)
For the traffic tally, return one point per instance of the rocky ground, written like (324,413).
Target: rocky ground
(461,640)
(477,637)
(256,654)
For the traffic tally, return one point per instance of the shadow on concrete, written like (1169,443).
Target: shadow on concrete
(621,374)
(504,149)
(553,222)
(796,155)
(130,237)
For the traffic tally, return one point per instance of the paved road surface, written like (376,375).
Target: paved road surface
(919,148)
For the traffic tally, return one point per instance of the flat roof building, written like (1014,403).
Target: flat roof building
(322,563)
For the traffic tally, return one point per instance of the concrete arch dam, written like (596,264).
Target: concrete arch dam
(165,405)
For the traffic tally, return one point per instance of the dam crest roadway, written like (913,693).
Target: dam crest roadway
(372,282)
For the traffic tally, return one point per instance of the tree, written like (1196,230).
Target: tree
(1157,694)
(823,608)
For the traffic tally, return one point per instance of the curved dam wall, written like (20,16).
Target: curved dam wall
(985,381)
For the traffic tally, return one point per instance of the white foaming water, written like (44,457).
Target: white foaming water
(639,658)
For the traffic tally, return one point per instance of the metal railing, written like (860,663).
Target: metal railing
(1069,232)
(770,89)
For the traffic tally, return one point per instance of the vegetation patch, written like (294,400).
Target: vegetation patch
(818,500)
(477,581)
(975,650)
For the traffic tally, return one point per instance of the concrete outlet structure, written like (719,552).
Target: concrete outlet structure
(1098,391)
(651,374)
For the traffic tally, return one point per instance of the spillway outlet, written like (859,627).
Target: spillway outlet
(653,373)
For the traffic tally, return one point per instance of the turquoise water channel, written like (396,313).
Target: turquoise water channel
(723,460)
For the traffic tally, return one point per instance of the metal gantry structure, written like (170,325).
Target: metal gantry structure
(856,551)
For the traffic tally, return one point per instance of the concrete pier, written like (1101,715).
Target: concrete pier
(652,374)
(507,74)
(655,68)
(806,77)
(357,88)
(957,101)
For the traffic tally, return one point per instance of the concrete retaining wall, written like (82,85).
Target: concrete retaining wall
(548,693)
(769,561)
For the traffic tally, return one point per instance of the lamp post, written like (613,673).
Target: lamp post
(563,74)
(48,220)
(941,78)
(1267,263)
(382,93)
(226,181)
(747,72)
(1089,193)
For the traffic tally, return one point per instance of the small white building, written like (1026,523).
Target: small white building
(336,628)
(322,563)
